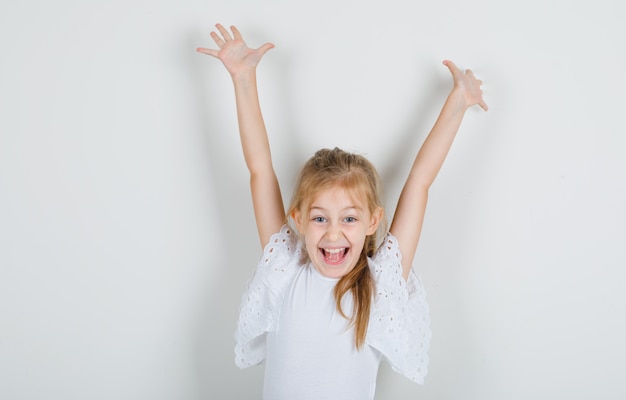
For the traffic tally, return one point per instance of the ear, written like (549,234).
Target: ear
(377,217)
(296,216)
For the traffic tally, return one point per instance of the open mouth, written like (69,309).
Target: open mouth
(335,256)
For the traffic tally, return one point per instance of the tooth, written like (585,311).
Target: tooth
(334,251)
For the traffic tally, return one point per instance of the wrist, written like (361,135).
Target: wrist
(244,78)
(456,98)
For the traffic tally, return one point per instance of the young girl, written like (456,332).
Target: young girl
(334,293)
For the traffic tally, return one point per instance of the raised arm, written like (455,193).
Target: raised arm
(241,62)
(409,216)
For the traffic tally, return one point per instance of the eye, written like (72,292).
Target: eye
(350,219)
(318,219)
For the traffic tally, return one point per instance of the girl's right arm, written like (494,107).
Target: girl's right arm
(241,62)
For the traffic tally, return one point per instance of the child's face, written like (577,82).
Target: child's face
(334,230)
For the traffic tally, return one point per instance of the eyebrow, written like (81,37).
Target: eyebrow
(343,209)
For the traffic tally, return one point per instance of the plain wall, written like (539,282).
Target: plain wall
(126,228)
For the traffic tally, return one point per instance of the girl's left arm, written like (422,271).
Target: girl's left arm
(409,216)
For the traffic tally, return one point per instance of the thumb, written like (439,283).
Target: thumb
(451,66)
(209,52)
(265,48)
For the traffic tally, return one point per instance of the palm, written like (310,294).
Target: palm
(468,84)
(236,56)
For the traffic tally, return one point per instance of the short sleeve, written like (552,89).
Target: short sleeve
(260,303)
(399,325)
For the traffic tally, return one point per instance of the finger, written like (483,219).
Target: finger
(483,105)
(218,40)
(451,66)
(236,33)
(224,32)
(210,52)
(267,46)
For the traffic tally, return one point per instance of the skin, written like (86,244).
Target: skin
(241,61)
(336,222)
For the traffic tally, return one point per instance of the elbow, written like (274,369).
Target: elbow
(419,182)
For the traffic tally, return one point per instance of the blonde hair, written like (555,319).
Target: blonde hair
(337,168)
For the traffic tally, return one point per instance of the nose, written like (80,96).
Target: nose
(334,232)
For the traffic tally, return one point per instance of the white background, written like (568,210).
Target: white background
(126,229)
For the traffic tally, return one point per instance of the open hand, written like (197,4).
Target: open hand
(236,56)
(468,84)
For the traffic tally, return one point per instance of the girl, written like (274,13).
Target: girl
(334,293)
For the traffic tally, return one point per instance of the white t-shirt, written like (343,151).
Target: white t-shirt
(289,320)
(312,354)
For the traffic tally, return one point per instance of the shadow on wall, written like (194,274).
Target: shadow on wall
(217,374)
(452,199)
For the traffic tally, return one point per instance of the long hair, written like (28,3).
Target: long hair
(337,168)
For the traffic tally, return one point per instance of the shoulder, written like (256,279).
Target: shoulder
(388,258)
(282,245)
(386,269)
(281,258)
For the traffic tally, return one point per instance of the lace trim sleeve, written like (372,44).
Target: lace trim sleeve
(260,303)
(399,326)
